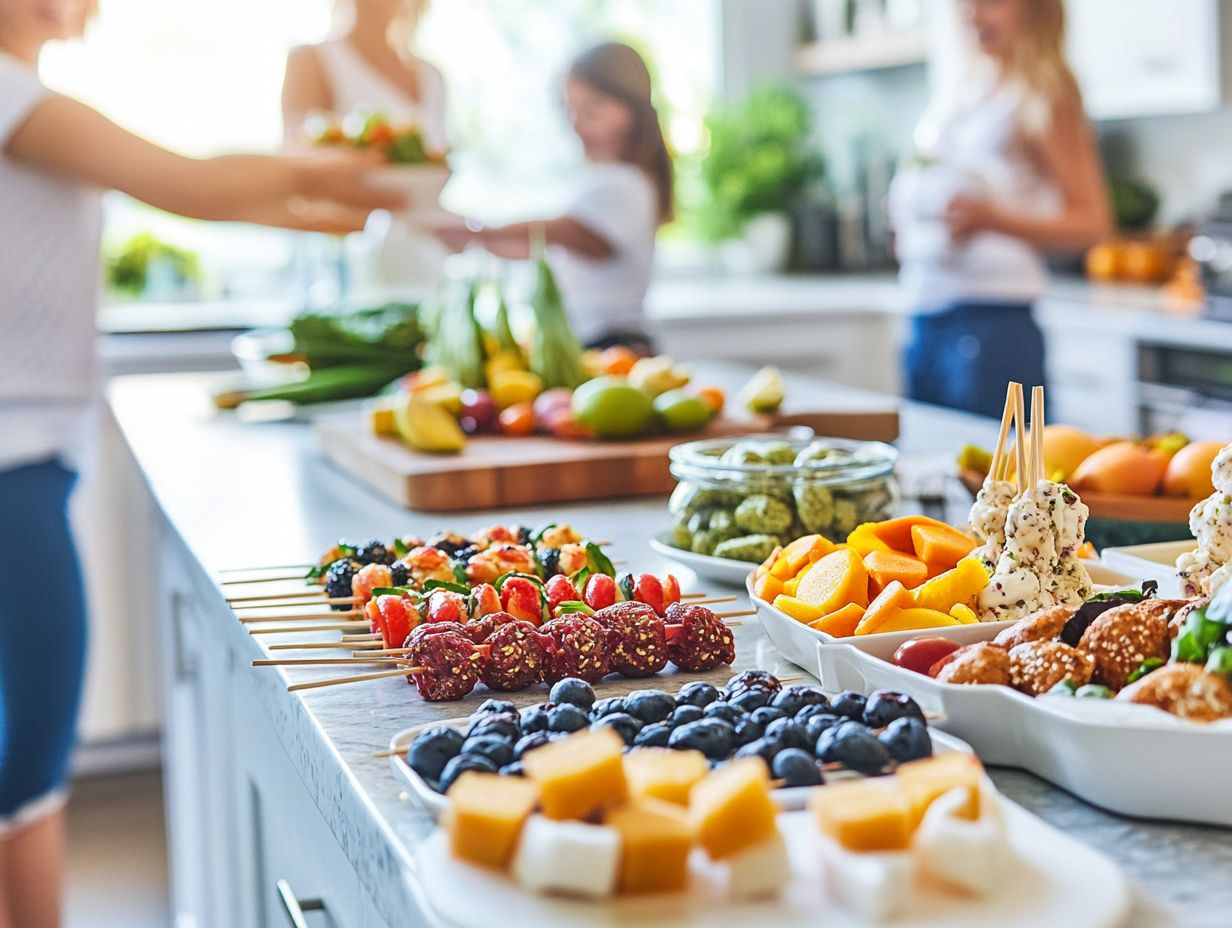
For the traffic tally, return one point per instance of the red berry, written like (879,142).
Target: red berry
(447,606)
(600,591)
(396,620)
(671,590)
(647,589)
(560,589)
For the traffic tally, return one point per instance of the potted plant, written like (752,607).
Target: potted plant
(760,163)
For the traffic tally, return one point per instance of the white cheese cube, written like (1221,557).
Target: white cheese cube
(970,855)
(570,858)
(761,870)
(874,885)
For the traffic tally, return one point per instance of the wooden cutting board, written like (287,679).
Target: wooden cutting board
(496,472)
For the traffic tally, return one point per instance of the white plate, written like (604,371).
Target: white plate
(1054,881)
(1151,562)
(1130,759)
(719,569)
(434,802)
(798,643)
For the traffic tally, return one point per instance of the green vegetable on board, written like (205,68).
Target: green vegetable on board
(555,354)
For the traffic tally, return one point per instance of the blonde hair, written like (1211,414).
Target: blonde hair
(618,71)
(1038,66)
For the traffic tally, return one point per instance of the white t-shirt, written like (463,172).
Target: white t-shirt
(49,284)
(605,296)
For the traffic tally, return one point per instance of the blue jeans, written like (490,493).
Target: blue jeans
(963,356)
(42,635)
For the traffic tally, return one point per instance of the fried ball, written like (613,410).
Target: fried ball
(1038,666)
(1039,626)
(1122,638)
(977,663)
(1185,690)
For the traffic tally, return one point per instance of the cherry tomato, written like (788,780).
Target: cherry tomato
(600,591)
(484,600)
(396,620)
(671,590)
(560,589)
(936,668)
(920,654)
(447,606)
(647,589)
(518,420)
(521,599)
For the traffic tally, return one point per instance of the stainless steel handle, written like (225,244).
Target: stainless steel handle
(294,907)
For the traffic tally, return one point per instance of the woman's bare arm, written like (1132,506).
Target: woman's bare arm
(1069,154)
(517,241)
(304,89)
(325,192)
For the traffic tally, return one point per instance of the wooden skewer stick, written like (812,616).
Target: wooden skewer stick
(319,601)
(361,678)
(998,453)
(714,600)
(269,597)
(298,617)
(246,580)
(688,596)
(1020,443)
(322,661)
(735,615)
(322,627)
(390,752)
(386,652)
(321,645)
(253,570)
(1037,423)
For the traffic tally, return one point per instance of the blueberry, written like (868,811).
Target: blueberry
(623,724)
(855,747)
(536,739)
(807,712)
(849,704)
(819,723)
(610,706)
(790,732)
(907,739)
(649,705)
(697,694)
(682,715)
(748,729)
(765,748)
(713,737)
(494,748)
(503,726)
(725,711)
(495,707)
(432,750)
(749,700)
(512,770)
(567,717)
(752,679)
(462,763)
(794,698)
(795,768)
(654,736)
(767,714)
(574,692)
(534,719)
(883,707)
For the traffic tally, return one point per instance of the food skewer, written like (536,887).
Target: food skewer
(1020,453)
(314,595)
(323,645)
(997,468)
(249,570)
(248,580)
(320,661)
(323,627)
(319,601)
(298,617)
(361,678)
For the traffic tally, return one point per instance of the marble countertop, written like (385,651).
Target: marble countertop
(241,494)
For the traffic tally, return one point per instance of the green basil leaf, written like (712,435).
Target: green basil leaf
(1147,666)
(392,591)
(459,574)
(400,548)
(430,585)
(540,532)
(626,586)
(598,561)
(570,606)
(1220,661)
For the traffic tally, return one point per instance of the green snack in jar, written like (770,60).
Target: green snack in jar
(741,454)
(816,452)
(706,542)
(681,537)
(814,507)
(752,548)
(1093,691)
(778,453)
(846,518)
(763,515)
(698,522)
(722,521)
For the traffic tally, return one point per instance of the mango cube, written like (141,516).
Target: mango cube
(664,773)
(910,620)
(578,775)
(485,816)
(655,841)
(864,815)
(732,809)
(797,609)
(922,781)
(960,584)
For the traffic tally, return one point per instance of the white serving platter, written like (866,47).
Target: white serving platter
(719,569)
(1130,759)
(1151,562)
(786,799)
(798,643)
(1055,880)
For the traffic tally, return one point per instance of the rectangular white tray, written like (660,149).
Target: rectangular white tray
(1134,760)
(1151,562)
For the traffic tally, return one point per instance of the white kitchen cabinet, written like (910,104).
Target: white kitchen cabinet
(1148,57)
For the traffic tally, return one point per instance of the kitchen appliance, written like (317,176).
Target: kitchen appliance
(1212,249)
(1185,389)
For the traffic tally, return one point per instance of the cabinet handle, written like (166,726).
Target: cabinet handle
(294,907)
(185,664)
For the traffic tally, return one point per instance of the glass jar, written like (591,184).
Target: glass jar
(739,498)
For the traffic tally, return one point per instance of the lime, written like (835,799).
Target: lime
(611,408)
(683,412)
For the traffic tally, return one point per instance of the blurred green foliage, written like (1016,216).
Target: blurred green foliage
(128,265)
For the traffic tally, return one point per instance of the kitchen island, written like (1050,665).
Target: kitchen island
(274,796)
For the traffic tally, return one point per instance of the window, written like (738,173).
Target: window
(204,76)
